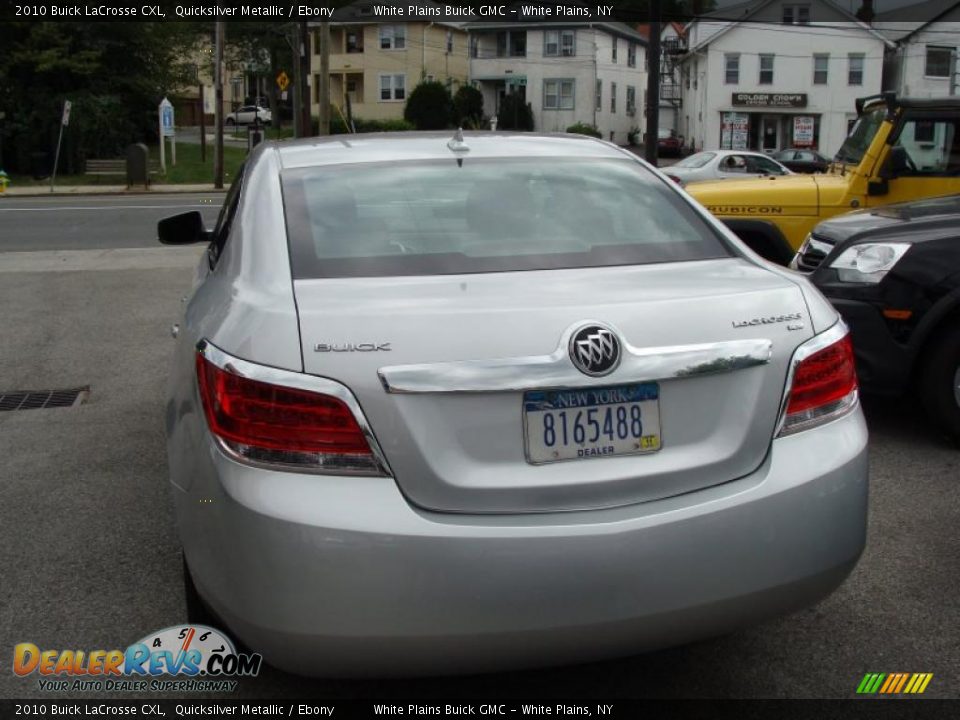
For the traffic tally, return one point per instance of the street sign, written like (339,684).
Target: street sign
(283,81)
(64,121)
(166,119)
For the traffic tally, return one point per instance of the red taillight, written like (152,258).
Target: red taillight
(272,423)
(824,386)
(677,180)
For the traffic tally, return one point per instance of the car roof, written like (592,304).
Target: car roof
(738,152)
(407,146)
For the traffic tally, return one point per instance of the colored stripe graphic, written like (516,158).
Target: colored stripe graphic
(870,683)
(894,683)
(899,686)
(891,682)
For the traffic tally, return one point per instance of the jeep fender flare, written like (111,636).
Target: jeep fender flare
(763,237)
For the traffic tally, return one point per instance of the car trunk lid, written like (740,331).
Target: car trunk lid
(440,365)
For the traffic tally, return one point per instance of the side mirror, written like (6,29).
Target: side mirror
(183,229)
(878,187)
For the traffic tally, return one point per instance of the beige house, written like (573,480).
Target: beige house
(376,60)
(186,99)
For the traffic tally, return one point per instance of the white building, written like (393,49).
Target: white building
(927,37)
(590,73)
(777,73)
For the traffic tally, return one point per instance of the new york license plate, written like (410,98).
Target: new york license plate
(591,422)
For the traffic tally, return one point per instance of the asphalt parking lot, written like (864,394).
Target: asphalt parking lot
(90,557)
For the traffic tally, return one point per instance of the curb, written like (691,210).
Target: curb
(88,191)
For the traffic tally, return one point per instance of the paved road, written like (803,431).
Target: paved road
(101,221)
(90,559)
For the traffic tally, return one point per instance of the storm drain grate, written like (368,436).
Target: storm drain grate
(38,399)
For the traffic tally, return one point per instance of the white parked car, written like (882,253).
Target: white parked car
(246,115)
(724,165)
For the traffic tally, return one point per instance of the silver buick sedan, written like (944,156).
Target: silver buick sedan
(448,403)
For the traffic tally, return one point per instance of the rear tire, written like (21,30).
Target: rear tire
(230,121)
(767,248)
(940,383)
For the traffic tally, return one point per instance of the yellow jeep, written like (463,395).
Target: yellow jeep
(898,149)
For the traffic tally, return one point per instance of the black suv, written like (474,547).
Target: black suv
(893,272)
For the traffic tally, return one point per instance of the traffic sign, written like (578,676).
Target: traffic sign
(166,118)
(65,120)
(283,81)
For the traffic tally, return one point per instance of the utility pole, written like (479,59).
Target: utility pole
(218,108)
(304,37)
(953,72)
(653,84)
(294,40)
(305,55)
(324,88)
(203,127)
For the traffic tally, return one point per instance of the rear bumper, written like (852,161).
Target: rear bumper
(342,576)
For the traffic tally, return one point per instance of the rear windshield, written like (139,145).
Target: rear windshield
(435,218)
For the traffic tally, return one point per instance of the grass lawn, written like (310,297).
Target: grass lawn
(188,170)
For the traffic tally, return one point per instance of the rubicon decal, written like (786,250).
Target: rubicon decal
(745,209)
(189,650)
(894,683)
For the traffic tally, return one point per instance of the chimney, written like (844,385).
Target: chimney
(865,13)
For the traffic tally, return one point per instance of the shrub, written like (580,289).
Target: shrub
(397,125)
(429,106)
(584,129)
(339,127)
(514,114)
(468,107)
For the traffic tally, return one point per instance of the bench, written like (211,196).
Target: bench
(117,167)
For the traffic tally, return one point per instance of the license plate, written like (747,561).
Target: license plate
(591,422)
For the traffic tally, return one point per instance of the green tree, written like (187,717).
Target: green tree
(114,73)
(468,106)
(429,106)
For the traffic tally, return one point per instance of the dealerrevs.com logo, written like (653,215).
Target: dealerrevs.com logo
(204,656)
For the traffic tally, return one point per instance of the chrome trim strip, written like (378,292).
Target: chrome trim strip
(299,381)
(556,370)
(814,345)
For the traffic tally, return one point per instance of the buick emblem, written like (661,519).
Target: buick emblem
(595,350)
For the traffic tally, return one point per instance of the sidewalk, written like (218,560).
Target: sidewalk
(156,189)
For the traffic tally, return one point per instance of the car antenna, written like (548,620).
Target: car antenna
(457,145)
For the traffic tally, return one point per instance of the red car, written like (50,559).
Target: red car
(668,144)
